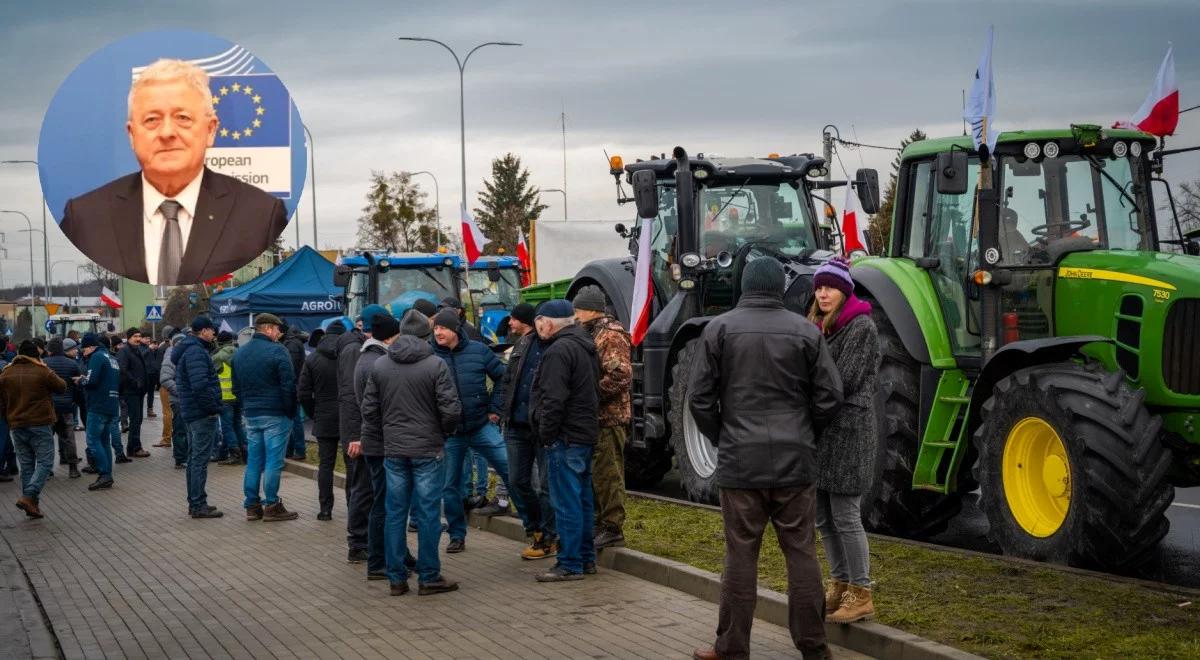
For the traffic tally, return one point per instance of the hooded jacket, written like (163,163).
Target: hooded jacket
(263,381)
(760,377)
(372,349)
(472,364)
(410,403)
(348,345)
(318,388)
(196,382)
(565,400)
(27,386)
(102,384)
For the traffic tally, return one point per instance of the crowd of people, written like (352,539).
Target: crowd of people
(423,414)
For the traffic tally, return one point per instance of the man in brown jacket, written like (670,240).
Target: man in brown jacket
(26,387)
(613,349)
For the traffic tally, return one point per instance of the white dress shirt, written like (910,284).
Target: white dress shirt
(152,232)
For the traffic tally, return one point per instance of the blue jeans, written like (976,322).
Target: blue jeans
(202,434)
(103,434)
(571,494)
(486,442)
(179,437)
(233,436)
(296,445)
(413,484)
(376,536)
(34,446)
(266,441)
(533,501)
(134,403)
(475,475)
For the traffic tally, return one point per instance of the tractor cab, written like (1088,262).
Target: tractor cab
(396,280)
(494,283)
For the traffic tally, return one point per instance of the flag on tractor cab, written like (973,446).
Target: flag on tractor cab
(854,225)
(523,258)
(981,102)
(1159,114)
(643,286)
(110,298)
(473,238)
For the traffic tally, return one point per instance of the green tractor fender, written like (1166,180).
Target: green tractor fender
(906,301)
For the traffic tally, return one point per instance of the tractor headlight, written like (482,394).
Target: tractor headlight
(687,285)
(690,260)
(1120,149)
(447,262)
(1050,149)
(1032,150)
(1135,149)
(700,174)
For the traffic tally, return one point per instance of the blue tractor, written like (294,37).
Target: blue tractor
(495,287)
(396,280)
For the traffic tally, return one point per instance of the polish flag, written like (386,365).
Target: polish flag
(1159,113)
(473,238)
(854,225)
(523,258)
(110,298)
(643,287)
(219,278)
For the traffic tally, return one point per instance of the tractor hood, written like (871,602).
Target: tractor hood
(1176,274)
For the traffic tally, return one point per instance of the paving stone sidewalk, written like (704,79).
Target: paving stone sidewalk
(125,573)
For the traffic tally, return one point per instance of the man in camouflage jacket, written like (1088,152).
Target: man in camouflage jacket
(616,371)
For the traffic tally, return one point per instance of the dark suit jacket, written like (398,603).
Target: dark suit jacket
(234,223)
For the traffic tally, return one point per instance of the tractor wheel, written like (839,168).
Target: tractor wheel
(1072,469)
(695,454)
(644,468)
(891,506)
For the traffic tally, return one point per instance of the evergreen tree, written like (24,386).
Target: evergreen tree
(507,204)
(879,231)
(395,217)
(24,329)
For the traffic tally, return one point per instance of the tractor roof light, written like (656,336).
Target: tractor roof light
(1120,149)
(1135,149)
(1032,150)
(817,171)
(447,261)
(1050,149)
(615,165)
(700,173)
(690,260)
(772,155)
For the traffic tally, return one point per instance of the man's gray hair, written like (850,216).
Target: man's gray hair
(168,70)
(559,324)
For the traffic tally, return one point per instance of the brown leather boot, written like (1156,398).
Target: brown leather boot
(856,606)
(276,513)
(29,506)
(833,595)
(254,512)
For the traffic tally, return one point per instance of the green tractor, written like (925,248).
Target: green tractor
(1039,342)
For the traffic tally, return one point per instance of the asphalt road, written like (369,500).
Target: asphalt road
(1177,560)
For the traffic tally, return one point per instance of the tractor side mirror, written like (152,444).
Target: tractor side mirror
(866,184)
(952,173)
(493,273)
(341,275)
(644,194)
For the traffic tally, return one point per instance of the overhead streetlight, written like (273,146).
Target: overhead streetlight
(564,194)
(60,261)
(31,293)
(45,239)
(437,204)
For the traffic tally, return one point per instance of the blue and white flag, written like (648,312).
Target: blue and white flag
(981,102)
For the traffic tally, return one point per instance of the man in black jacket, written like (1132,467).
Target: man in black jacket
(358,475)
(293,340)
(318,395)
(410,404)
(66,368)
(565,404)
(761,379)
(132,361)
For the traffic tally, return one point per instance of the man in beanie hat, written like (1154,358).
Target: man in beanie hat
(101,386)
(133,389)
(200,408)
(425,307)
(265,386)
(469,330)
(66,368)
(565,402)
(751,366)
(472,364)
(615,352)
(27,387)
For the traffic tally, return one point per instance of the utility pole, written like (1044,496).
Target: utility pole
(564,146)
(827,148)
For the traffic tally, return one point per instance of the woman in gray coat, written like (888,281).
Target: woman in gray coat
(846,448)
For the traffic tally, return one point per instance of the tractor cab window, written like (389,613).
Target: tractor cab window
(662,243)
(951,238)
(504,293)
(356,294)
(734,216)
(432,279)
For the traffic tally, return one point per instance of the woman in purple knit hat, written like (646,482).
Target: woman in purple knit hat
(846,448)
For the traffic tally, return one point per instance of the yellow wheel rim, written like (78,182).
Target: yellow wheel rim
(1037,477)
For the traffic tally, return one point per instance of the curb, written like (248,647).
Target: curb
(873,639)
(23,618)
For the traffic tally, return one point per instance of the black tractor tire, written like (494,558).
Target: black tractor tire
(699,487)
(891,506)
(644,468)
(1118,466)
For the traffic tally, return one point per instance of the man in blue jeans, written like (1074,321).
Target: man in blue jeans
(199,408)
(409,405)
(471,363)
(565,404)
(101,387)
(27,387)
(264,383)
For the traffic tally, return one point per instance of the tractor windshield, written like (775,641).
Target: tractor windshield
(1070,203)
(735,215)
(506,292)
(435,280)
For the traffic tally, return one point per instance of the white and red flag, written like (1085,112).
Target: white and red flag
(1159,113)
(110,298)
(523,258)
(219,278)
(473,238)
(854,225)
(643,286)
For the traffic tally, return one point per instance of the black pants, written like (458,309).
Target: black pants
(152,394)
(327,449)
(68,454)
(133,404)
(793,512)
(359,498)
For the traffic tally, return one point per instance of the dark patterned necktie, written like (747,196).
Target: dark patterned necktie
(170,253)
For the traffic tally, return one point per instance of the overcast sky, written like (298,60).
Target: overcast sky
(730,78)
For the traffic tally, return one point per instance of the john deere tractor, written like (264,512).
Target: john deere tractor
(711,216)
(1039,342)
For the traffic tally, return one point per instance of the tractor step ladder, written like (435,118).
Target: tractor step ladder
(943,441)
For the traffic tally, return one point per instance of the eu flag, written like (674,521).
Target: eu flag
(254,111)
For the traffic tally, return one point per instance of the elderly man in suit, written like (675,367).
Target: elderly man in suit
(175,221)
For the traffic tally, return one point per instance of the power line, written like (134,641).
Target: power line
(854,145)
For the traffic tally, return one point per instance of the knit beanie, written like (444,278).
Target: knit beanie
(447,318)
(416,324)
(384,327)
(835,274)
(763,275)
(370,312)
(88,340)
(523,313)
(202,323)
(336,328)
(28,348)
(55,346)
(590,298)
(425,306)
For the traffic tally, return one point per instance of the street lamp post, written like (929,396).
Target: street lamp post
(60,261)
(312,156)
(77,283)
(31,293)
(437,204)
(45,239)
(564,194)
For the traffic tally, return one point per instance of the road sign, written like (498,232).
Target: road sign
(49,325)
(153,312)
(52,308)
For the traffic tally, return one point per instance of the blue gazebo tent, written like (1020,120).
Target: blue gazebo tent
(299,290)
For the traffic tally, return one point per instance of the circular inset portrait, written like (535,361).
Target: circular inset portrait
(172,157)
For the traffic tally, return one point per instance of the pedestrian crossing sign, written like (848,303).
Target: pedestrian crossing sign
(153,312)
